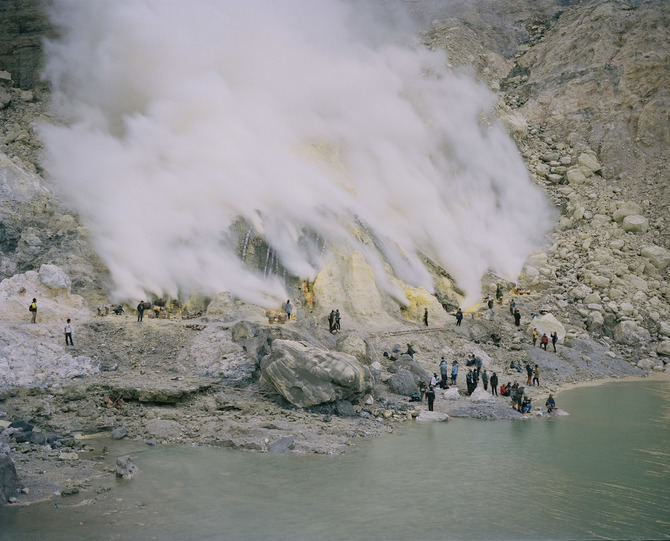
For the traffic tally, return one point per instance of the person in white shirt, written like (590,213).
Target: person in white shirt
(68,333)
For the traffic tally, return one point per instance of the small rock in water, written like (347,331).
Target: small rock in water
(125,467)
(119,433)
(150,441)
(432,416)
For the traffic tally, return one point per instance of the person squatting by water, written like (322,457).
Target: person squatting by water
(33,311)
(68,332)
(140,311)
(550,403)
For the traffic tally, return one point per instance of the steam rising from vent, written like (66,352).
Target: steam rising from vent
(296,116)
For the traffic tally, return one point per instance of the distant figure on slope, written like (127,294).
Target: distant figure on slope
(33,310)
(517,317)
(140,311)
(331,321)
(288,308)
(337,320)
(529,372)
(68,332)
(512,306)
(468,382)
(554,339)
(499,293)
(536,376)
(425,317)
(489,303)
(536,335)
(494,384)
(454,372)
(544,341)
(459,317)
(410,350)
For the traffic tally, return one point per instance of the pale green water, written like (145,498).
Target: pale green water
(603,472)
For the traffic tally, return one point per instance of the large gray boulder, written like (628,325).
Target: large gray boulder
(9,481)
(403,382)
(307,376)
(630,333)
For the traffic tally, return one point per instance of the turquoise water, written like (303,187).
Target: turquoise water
(602,472)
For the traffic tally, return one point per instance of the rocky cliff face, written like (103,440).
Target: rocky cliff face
(583,89)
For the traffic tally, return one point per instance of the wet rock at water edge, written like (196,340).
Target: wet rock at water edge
(119,433)
(282,446)
(9,481)
(125,467)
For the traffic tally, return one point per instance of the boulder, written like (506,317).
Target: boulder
(283,446)
(307,376)
(407,363)
(663,348)
(630,333)
(588,163)
(403,382)
(9,481)
(624,209)
(648,364)
(451,393)
(595,321)
(354,345)
(575,176)
(431,417)
(635,224)
(119,433)
(664,328)
(125,467)
(547,323)
(54,277)
(657,256)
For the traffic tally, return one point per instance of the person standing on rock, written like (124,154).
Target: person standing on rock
(425,317)
(494,384)
(536,376)
(544,341)
(140,311)
(536,335)
(430,395)
(512,306)
(554,339)
(288,308)
(337,320)
(443,373)
(33,310)
(331,321)
(459,317)
(485,379)
(517,317)
(529,373)
(468,382)
(454,372)
(68,332)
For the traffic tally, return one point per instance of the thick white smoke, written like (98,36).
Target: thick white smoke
(295,115)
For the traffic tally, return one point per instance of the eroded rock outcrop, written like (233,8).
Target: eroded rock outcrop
(307,376)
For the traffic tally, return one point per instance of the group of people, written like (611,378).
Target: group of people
(334,321)
(544,339)
(533,374)
(67,329)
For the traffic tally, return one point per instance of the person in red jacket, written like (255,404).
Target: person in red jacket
(544,341)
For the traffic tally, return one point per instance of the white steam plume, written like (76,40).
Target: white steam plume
(295,115)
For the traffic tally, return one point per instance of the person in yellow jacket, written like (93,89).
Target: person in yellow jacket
(33,310)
